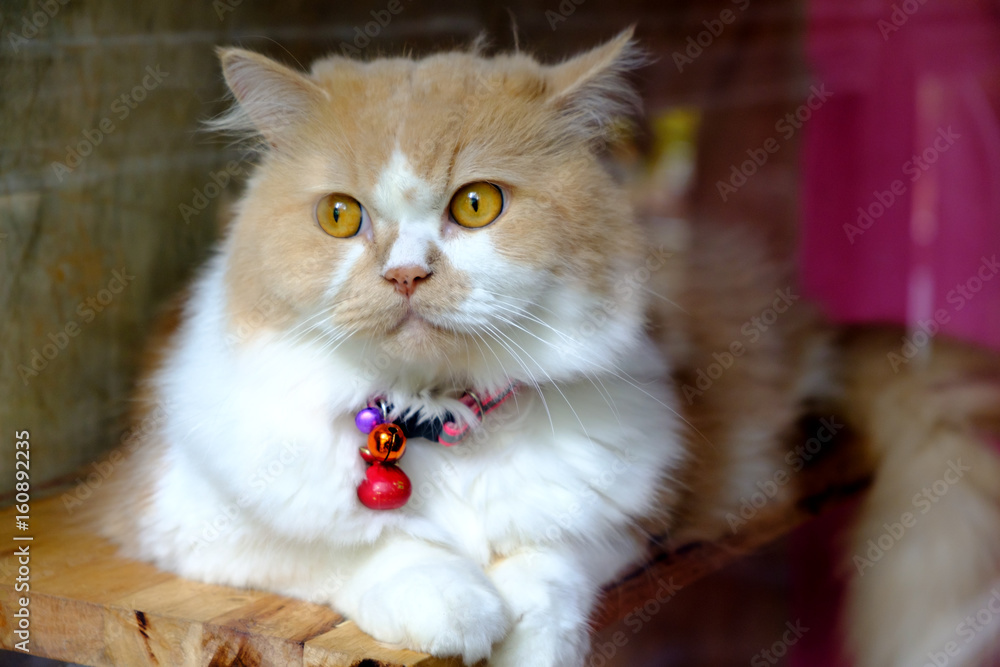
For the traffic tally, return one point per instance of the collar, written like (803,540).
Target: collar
(445,430)
(385,486)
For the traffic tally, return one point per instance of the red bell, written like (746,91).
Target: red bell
(385,487)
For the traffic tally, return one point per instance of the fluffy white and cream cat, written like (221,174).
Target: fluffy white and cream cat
(417,230)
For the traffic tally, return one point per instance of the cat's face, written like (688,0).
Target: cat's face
(432,205)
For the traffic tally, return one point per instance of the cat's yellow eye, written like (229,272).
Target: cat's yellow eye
(339,215)
(476,204)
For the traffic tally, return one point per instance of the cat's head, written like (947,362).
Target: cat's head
(450,211)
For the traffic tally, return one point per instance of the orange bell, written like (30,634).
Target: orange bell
(387,443)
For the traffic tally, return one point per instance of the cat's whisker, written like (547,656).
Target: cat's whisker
(502,298)
(309,321)
(625,377)
(331,336)
(605,393)
(334,344)
(317,333)
(530,379)
(523,313)
(553,383)
(532,303)
(586,374)
(663,298)
(607,398)
(555,346)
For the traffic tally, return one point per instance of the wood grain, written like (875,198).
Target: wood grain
(92,607)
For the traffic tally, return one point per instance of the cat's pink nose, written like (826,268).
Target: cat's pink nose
(405,278)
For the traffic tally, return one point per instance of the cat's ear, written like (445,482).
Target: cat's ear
(270,96)
(591,89)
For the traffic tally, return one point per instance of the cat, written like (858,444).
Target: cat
(423,236)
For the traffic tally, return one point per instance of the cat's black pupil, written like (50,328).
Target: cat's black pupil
(336,212)
(474,198)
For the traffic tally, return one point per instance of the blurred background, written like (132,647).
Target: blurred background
(861,136)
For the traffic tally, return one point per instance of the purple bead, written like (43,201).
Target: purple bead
(368,419)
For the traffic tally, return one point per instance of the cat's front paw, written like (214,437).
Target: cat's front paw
(436,609)
(550,601)
(534,642)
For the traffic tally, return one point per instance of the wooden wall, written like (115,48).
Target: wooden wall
(100,102)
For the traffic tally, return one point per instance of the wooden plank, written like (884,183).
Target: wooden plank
(347,646)
(63,629)
(277,616)
(103,580)
(90,606)
(93,607)
(131,637)
(189,599)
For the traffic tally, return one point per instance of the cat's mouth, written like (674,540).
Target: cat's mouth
(413,322)
(416,337)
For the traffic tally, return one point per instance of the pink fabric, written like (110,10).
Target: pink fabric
(925,257)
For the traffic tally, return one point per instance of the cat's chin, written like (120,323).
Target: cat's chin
(416,339)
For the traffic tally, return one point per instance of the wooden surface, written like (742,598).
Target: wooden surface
(92,607)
